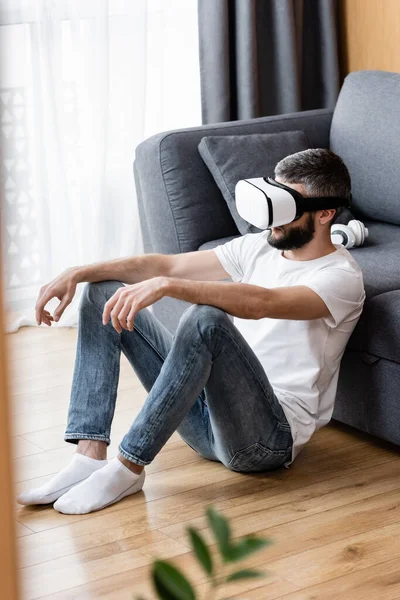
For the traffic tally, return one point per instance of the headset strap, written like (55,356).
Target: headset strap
(323,203)
(314,203)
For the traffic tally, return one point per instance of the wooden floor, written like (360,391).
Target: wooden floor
(334,515)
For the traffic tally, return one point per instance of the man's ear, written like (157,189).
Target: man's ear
(326,216)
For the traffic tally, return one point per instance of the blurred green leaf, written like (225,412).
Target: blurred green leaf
(201,550)
(246,546)
(170,583)
(244,574)
(220,527)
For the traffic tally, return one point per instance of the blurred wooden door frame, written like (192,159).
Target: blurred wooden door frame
(8,561)
(369,35)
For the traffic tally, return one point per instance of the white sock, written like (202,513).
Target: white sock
(80,468)
(103,488)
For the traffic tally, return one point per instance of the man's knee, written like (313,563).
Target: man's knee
(202,319)
(203,314)
(99,292)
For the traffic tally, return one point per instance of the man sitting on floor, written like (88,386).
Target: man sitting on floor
(247,392)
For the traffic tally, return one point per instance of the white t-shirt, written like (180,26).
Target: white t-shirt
(301,358)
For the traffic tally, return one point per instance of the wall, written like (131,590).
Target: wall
(370,35)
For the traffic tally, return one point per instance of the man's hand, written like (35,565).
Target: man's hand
(62,287)
(123,306)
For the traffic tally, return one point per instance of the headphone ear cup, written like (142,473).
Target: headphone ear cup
(359,230)
(346,233)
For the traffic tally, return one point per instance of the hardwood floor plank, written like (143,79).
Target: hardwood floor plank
(137,582)
(271,586)
(53,413)
(377,582)
(43,463)
(22,447)
(40,401)
(97,563)
(22,530)
(52,438)
(53,380)
(30,422)
(314,533)
(60,368)
(47,381)
(342,557)
(58,398)
(20,344)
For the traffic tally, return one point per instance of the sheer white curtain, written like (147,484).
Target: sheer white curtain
(82,83)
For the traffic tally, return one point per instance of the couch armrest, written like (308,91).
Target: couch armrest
(180,206)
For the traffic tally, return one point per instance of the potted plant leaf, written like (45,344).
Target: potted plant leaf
(171,584)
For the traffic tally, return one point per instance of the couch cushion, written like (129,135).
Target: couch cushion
(378,331)
(234,157)
(365,132)
(379,258)
(214,243)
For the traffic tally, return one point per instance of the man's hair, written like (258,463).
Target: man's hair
(319,170)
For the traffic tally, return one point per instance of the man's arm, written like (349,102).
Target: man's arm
(251,301)
(200,266)
(237,299)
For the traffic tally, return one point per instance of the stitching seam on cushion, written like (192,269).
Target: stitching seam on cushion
(211,158)
(167,194)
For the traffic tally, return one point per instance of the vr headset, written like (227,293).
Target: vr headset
(265,203)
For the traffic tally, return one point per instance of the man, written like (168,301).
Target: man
(249,392)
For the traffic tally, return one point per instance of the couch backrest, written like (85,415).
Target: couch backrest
(365,132)
(180,205)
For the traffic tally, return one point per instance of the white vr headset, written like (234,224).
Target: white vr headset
(265,203)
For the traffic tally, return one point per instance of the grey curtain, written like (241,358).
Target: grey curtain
(266,57)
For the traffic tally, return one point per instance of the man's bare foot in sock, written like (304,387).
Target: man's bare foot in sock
(103,488)
(79,469)
(89,457)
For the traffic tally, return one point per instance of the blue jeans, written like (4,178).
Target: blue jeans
(205,382)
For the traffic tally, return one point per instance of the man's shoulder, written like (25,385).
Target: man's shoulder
(343,259)
(342,275)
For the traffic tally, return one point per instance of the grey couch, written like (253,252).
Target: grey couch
(181,209)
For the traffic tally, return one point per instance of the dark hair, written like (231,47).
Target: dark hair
(319,170)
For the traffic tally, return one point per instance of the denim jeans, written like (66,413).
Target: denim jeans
(205,382)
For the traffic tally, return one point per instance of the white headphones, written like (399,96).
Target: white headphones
(352,234)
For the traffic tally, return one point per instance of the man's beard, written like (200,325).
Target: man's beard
(294,238)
